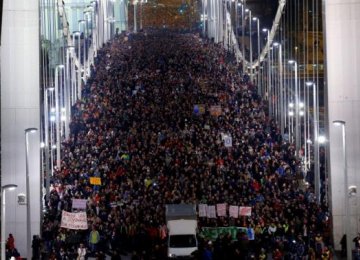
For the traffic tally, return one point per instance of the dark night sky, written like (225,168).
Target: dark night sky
(265,9)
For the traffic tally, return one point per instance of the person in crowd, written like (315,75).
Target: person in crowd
(343,245)
(10,242)
(81,252)
(356,241)
(62,255)
(94,239)
(36,244)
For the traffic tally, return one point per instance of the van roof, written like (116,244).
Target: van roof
(183,211)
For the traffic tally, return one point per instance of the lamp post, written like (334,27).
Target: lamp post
(84,57)
(141,14)
(57,114)
(316,141)
(111,21)
(251,50)
(257,20)
(268,67)
(95,25)
(46,141)
(88,26)
(68,89)
(237,19)
(243,33)
(297,121)
(291,121)
(282,101)
(135,11)
(28,215)
(78,84)
(4,188)
(204,6)
(346,185)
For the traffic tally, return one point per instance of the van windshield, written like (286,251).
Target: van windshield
(178,241)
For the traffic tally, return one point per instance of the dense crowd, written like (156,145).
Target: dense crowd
(136,128)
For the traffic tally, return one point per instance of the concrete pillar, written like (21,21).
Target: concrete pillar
(342,22)
(20,109)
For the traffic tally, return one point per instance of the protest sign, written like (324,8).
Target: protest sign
(202,210)
(76,220)
(221,209)
(79,203)
(245,211)
(215,110)
(228,141)
(211,212)
(234,211)
(95,180)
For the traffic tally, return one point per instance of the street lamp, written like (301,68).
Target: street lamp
(84,43)
(203,17)
(4,188)
(297,121)
(342,124)
(268,67)
(257,20)
(68,88)
(48,116)
(135,10)
(250,37)
(243,33)
(110,21)
(316,141)
(291,122)
(78,33)
(57,112)
(28,215)
(321,139)
(282,99)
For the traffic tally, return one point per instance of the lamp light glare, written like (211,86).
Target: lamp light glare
(338,123)
(321,139)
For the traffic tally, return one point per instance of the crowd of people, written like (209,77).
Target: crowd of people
(136,128)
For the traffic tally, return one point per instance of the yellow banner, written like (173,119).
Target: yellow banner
(95,180)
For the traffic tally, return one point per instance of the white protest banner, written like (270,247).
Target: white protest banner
(234,211)
(245,211)
(202,210)
(79,204)
(211,212)
(228,141)
(76,220)
(221,209)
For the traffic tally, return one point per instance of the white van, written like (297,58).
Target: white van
(181,222)
(182,241)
